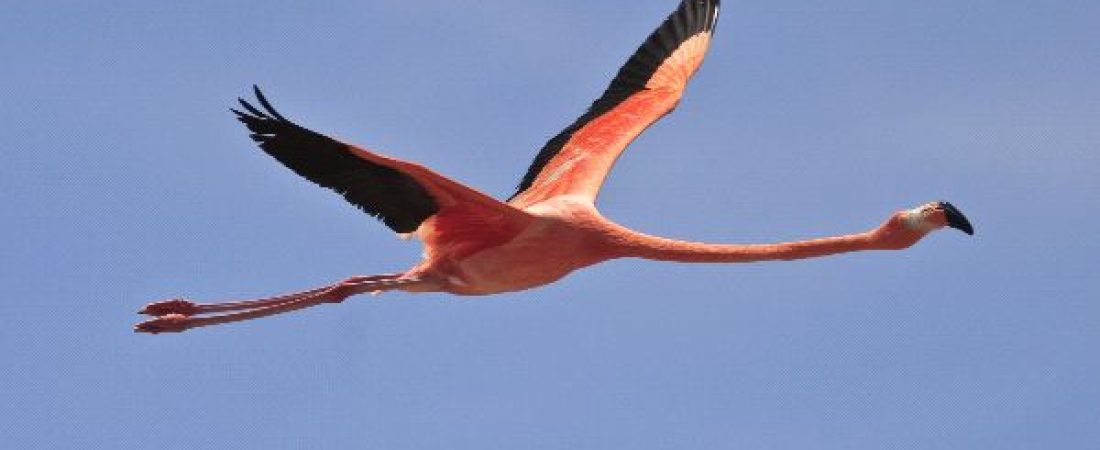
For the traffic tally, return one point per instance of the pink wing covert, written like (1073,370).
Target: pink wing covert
(648,86)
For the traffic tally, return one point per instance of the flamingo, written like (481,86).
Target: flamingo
(477,245)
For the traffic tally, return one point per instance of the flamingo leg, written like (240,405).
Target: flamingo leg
(175,321)
(189,308)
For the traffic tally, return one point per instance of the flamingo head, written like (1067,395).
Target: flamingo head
(905,228)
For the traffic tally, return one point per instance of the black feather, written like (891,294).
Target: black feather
(395,198)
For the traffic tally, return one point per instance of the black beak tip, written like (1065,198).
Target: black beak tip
(956,219)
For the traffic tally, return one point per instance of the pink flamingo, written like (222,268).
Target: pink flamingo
(476,245)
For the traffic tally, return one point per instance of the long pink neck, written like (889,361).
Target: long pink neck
(633,244)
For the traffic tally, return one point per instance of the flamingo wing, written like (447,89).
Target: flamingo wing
(403,195)
(648,86)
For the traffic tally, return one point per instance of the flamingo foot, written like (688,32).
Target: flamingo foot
(173,306)
(169,323)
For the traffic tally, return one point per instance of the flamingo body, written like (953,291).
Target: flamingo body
(565,234)
(477,245)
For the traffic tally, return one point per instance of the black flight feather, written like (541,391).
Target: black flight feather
(383,192)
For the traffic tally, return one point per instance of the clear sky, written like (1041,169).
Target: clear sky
(124,179)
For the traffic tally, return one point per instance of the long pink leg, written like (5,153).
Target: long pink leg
(189,308)
(177,322)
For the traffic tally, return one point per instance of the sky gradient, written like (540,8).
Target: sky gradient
(124,179)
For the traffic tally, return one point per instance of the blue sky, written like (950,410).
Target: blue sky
(124,179)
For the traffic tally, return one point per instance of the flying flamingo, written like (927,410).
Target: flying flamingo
(476,245)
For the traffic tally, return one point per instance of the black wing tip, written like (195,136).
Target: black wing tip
(709,9)
(259,94)
(710,16)
(268,113)
(253,112)
(265,124)
(690,19)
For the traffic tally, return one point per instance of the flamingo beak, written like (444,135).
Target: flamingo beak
(956,219)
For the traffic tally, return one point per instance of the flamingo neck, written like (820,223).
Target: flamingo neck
(634,244)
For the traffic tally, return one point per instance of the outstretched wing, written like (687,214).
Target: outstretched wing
(403,195)
(648,86)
